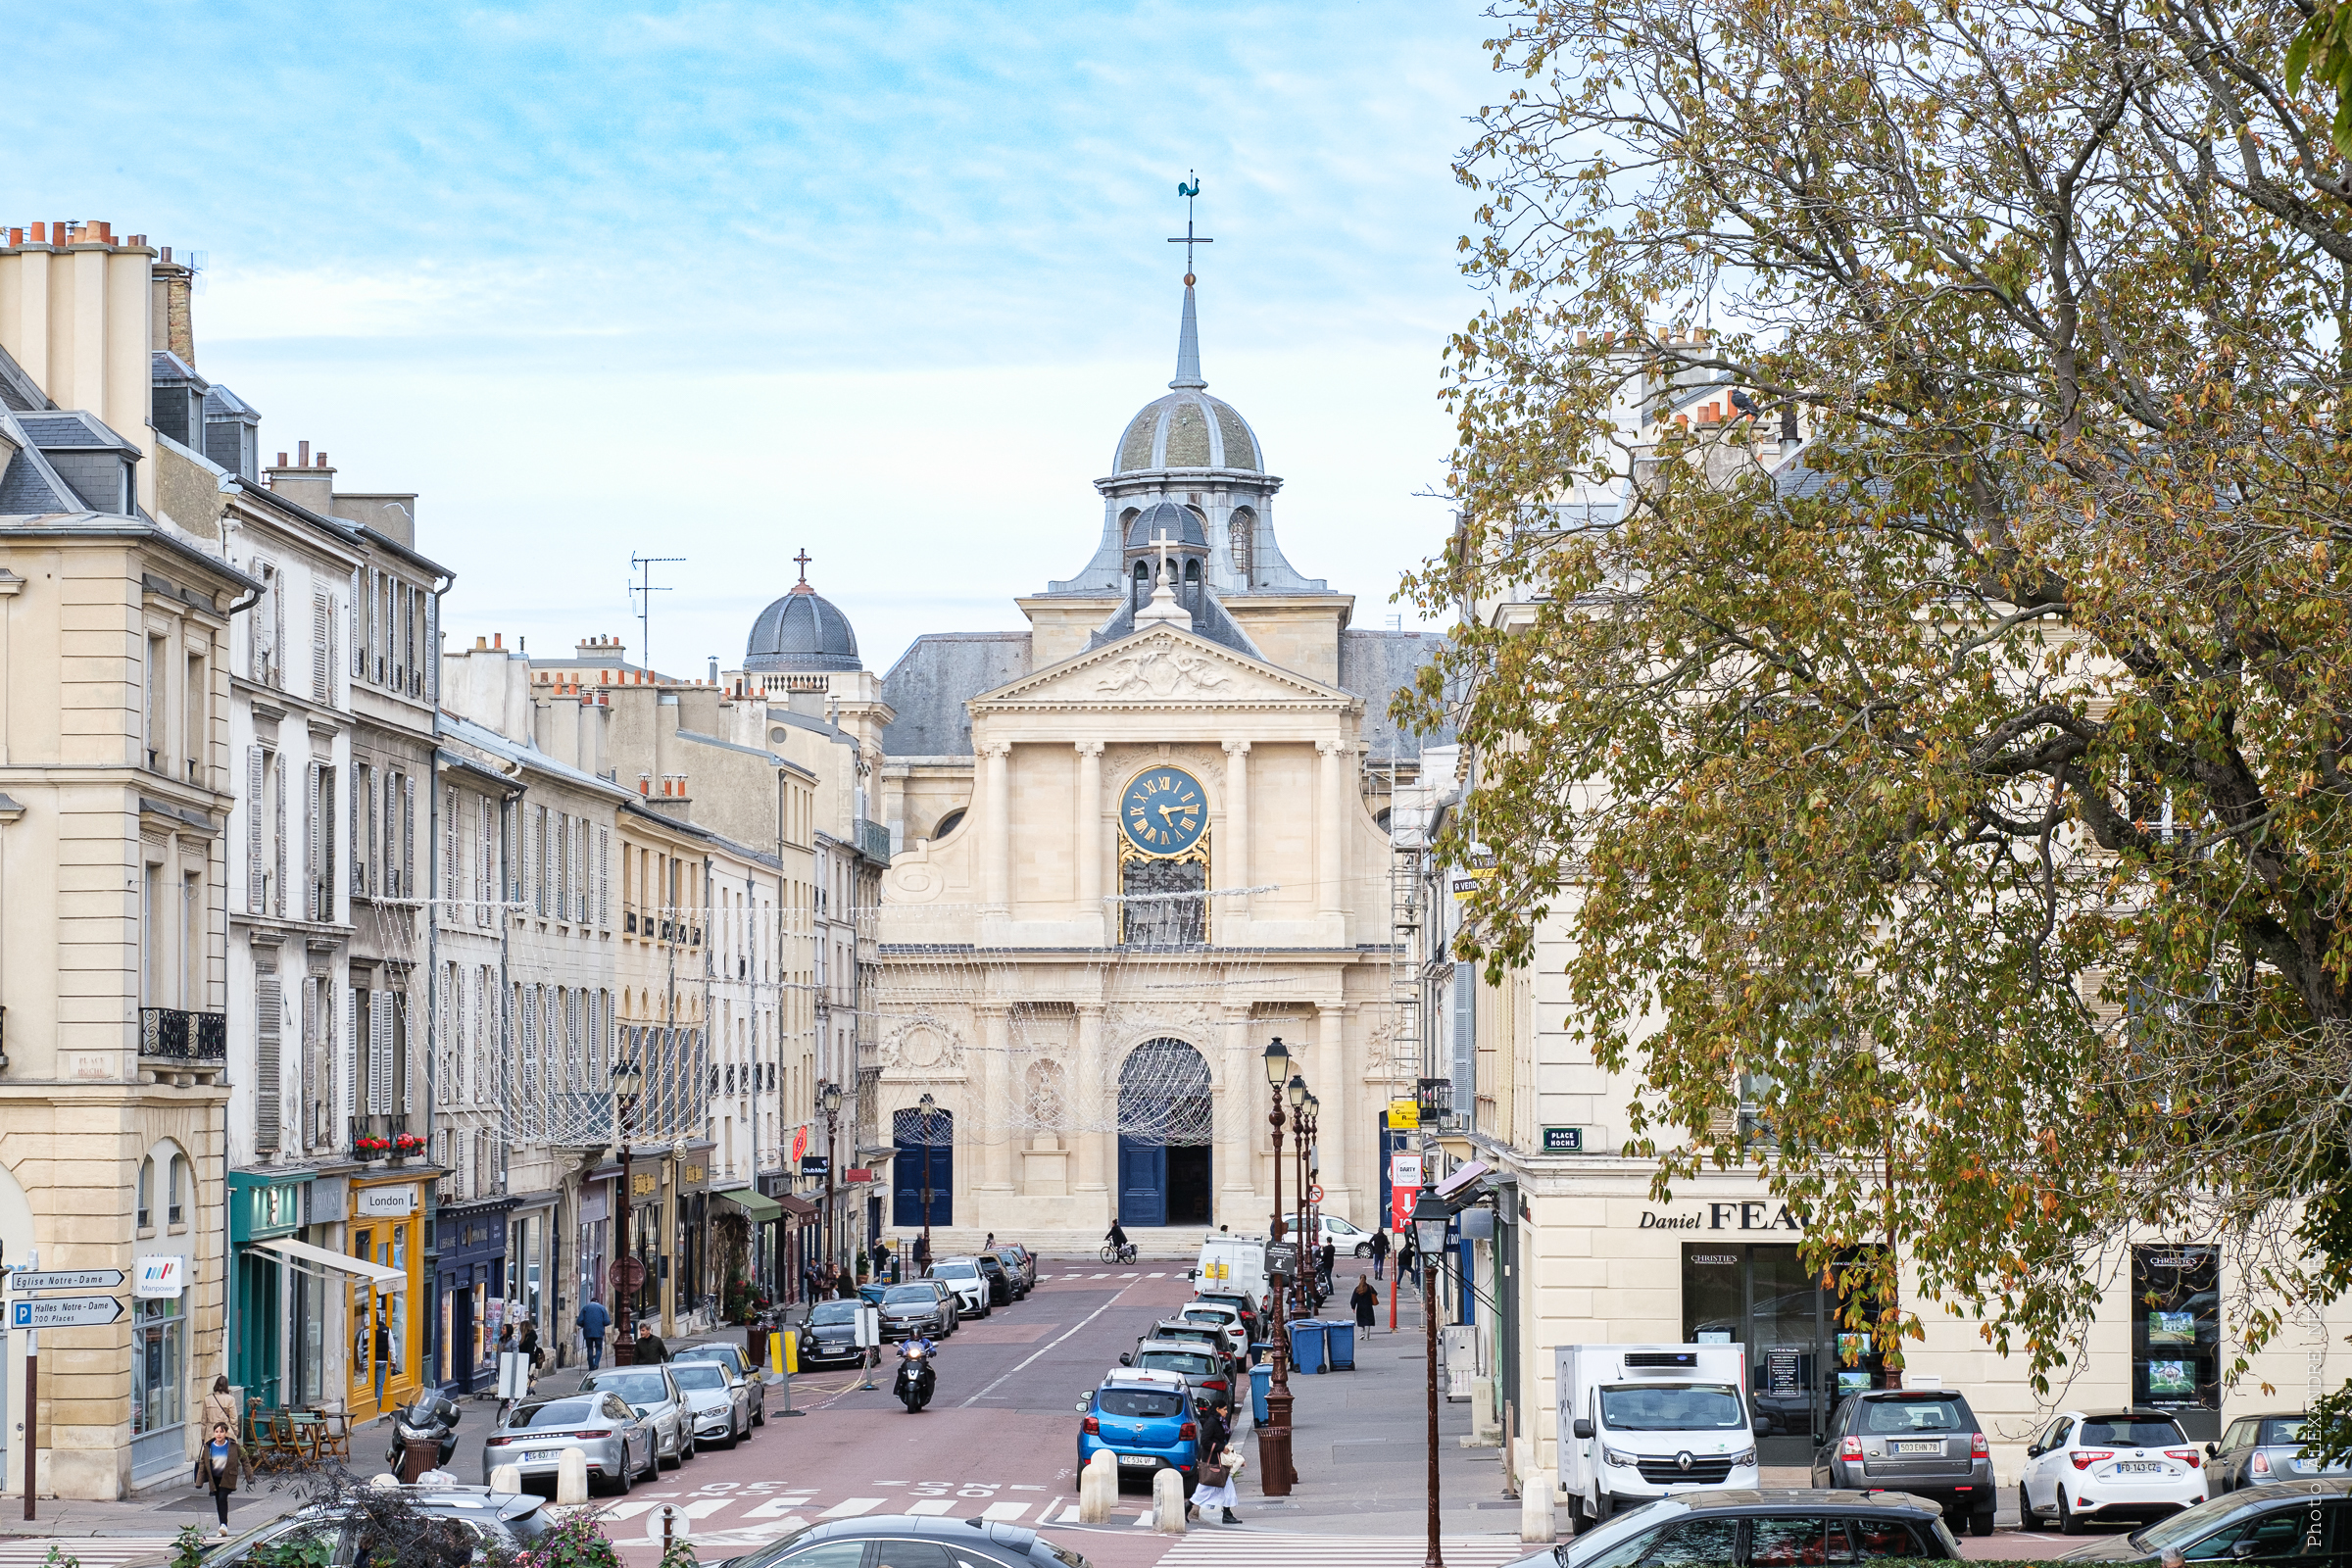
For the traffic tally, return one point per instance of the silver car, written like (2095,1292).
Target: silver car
(927,1307)
(658,1400)
(733,1358)
(1202,1368)
(721,1402)
(2258,1449)
(618,1445)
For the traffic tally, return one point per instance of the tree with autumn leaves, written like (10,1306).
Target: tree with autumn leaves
(1968,795)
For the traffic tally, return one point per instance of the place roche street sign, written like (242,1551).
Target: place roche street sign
(67,1279)
(1281,1259)
(66,1311)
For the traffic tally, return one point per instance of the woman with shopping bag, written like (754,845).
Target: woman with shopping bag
(1220,1466)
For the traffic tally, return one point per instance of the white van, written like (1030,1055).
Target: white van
(1639,1422)
(1233,1264)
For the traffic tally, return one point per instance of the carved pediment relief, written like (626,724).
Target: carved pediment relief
(1163,667)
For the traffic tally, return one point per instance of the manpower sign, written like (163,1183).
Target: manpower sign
(1745,1214)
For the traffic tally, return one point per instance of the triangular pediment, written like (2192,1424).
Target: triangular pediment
(1161,667)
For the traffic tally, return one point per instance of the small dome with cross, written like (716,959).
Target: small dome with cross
(1187,429)
(802,631)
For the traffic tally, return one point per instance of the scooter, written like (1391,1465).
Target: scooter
(431,1414)
(915,1379)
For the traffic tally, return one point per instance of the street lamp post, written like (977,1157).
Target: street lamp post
(1309,1163)
(927,1106)
(828,1101)
(1302,1280)
(1274,1445)
(1429,1238)
(628,1081)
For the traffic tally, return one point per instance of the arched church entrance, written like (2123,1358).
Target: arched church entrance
(922,1175)
(1166,1124)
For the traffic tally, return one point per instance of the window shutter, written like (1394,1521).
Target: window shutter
(604,876)
(310,848)
(278,898)
(404,1050)
(256,632)
(429,687)
(375,635)
(449,846)
(359,639)
(269,1017)
(362,822)
(539,861)
(277,634)
(334,652)
(257,874)
(482,1087)
(322,678)
(484,891)
(354,1055)
(379,1053)
(407,836)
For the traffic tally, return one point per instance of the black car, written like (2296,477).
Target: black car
(2304,1522)
(1000,1283)
(904,1539)
(1765,1529)
(1017,1277)
(831,1337)
(1925,1442)
(1020,1260)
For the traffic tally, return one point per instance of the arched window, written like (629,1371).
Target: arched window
(949,823)
(1143,571)
(147,1193)
(1242,533)
(1192,571)
(172,1213)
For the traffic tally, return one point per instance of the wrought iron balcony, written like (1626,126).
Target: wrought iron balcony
(197,1039)
(873,841)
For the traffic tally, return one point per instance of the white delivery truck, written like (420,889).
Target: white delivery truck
(1232,1265)
(1640,1422)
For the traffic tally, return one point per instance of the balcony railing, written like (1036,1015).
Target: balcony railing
(873,841)
(169,1034)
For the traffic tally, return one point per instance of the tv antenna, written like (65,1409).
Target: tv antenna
(645,590)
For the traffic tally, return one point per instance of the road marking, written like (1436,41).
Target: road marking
(705,1508)
(1155,1276)
(775,1507)
(851,1508)
(630,1510)
(91,1551)
(1005,1510)
(1098,1276)
(1214,1548)
(1074,1328)
(932,1506)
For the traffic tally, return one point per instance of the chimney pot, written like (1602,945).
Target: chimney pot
(40,234)
(167,253)
(498,639)
(481,642)
(281,459)
(321,460)
(303,447)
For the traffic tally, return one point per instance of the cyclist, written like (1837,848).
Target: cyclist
(1117,1237)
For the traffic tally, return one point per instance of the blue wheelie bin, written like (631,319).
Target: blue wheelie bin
(1338,1338)
(1261,1377)
(1306,1344)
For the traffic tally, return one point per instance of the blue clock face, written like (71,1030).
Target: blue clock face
(1165,812)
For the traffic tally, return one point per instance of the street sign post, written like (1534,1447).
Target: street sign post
(69,1279)
(66,1311)
(1281,1258)
(1314,1194)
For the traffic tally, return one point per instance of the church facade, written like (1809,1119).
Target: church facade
(1134,841)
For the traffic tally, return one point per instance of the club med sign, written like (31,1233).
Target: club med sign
(1750,1214)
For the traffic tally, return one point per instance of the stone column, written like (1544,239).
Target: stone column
(997,1125)
(1090,837)
(1240,1125)
(1087,1102)
(1331,866)
(1338,1080)
(996,817)
(1233,846)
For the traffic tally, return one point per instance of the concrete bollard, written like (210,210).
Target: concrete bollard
(1536,1521)
(506,1478)
(571,1476)
(1099,1488)
(1167,1501)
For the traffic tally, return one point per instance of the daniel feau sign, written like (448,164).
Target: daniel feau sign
(1737,1214)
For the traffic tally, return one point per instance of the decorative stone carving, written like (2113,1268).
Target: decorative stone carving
(925,1048)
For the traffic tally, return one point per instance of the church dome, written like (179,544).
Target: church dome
(802,631)
(1181,528)
(1188,429)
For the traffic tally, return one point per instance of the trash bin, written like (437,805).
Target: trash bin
(1306,1344)
(1261,1377)
(1338,1336)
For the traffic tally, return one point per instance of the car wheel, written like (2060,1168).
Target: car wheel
(2068,1524)
(678,1456)
(619,1487)
(1981,1523)
(2025,1517)
(1363,1249)
(687,1448)
(652,1458)
(1603,1507)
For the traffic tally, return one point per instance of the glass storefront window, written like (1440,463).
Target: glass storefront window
(158,1348)
(1763,1298)
(2176,1327)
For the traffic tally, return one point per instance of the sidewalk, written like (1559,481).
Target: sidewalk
(1359,1442)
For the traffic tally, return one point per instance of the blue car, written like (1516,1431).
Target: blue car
(1146,1419)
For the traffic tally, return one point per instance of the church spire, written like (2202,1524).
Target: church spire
(1188,344)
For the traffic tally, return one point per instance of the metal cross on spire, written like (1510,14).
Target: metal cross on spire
(804,557)
(1189,189)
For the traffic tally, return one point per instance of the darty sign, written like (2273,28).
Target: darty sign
(1750,1214)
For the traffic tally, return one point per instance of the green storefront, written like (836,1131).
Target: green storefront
(263,1205)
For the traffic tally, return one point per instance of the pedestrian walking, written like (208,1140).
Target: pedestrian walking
(1365,1299)
(1220,1474)
(922,1254)
(1215,1438)
(533,1354)
(219,1407)
(593,1320)
(219,1465)
(845,1284)
(1407,1259)
(1380,1251)
(383,1353)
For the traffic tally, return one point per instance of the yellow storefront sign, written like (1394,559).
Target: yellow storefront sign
(1404,1113)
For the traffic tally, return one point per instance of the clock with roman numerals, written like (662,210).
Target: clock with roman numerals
(1164,812)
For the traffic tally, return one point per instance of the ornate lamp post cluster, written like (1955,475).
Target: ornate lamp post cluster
(928,1107)
(828,1103)
(1274,1443)
(1430,1218)
(628,1082)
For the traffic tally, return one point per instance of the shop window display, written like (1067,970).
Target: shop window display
(2175,1334)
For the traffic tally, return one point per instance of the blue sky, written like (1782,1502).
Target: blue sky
(723,280)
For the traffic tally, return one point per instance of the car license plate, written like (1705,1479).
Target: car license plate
(1137,1458)
(1935,1448)
(541,1455)
(2140,1467)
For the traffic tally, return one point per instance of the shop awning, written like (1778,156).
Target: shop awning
(797,1205)
(1459,1190)
(762,1210)
(300,1254)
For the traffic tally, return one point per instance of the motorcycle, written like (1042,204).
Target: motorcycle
(915,1379)
(431,1414)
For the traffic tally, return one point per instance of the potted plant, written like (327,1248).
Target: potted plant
(406,1144)
(370,1148)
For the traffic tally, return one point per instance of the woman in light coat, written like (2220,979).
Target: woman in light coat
(1226,1453)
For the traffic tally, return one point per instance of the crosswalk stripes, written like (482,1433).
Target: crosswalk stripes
(92,1551)
(1215,1546)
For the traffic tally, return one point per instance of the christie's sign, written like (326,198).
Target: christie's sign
(1752,1214)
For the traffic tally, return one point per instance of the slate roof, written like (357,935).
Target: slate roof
(1375,665)
(933,679)
(18,390)
(1209,621)
(74,430)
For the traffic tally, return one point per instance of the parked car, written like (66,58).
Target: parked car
(1252,1311)
(1014,1252)
(1146,1419)
(872,1291)
(720,1403)
(656,1398)
(2115,1465)
(1000,1284)
(2283,1522)
(1014,1275)
(1222,1314)
(505,1520)
(738,1362)
(963,1276)
(1202,1368)
(1348,1241)
(1775,1528)
(1214,1336)
(619,1445)
(830,1338)
(924,1307)
(847,1542)
(1925,1442)
(2258,1449)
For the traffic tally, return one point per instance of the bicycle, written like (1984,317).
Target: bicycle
(1117,1254)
